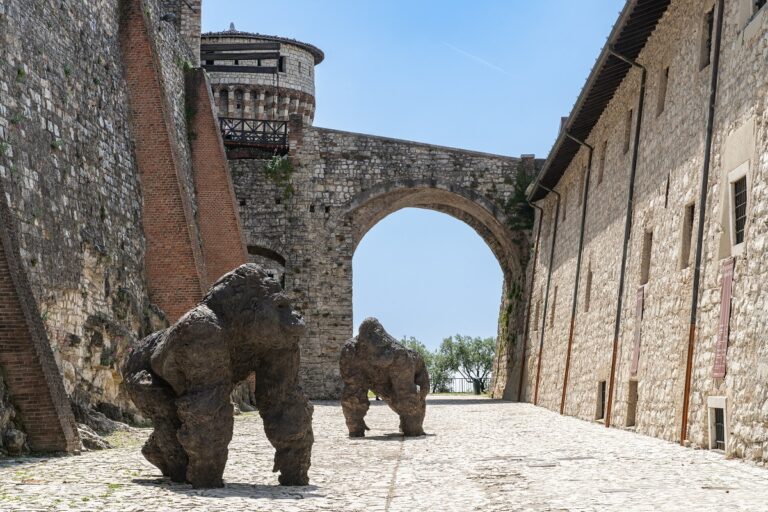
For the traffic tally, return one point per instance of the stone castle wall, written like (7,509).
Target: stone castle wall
(670,161)
(342,184)
(70,173)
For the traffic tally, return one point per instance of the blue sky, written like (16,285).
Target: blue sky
(486,75)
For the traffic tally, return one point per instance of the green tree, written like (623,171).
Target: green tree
(471,357)
(439,373)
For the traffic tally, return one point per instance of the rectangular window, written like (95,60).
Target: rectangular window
(708,27)
(663,81)
(552,311)
(718,423)
(588,289)
(645,265)
(666,193)
(601,396)
(739,209)
(632,404)
(719,429)
(687,236)
(628,130)
(281,65)
(601,166)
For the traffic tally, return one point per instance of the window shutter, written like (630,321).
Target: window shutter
(718,370)
(638,329)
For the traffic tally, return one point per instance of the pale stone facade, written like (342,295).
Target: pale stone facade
(669,169)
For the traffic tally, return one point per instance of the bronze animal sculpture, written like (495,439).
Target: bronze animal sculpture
(375,361)
(182,378)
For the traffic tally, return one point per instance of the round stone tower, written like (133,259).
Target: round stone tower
(255,76)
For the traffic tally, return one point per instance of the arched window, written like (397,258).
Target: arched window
(224,102)
(239,107)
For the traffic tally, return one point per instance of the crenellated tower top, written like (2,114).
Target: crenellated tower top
(262,77)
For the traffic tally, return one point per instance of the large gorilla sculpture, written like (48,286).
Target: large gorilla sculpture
(375,360)
(182,378)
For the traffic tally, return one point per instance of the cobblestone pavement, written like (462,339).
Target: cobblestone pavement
(479,455)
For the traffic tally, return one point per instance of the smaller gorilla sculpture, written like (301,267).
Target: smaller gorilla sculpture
(182,378)
(375,360)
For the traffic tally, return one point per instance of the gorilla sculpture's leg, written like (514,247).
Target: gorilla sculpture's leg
(286,413)
(354,404)
(207,419)
(410,406)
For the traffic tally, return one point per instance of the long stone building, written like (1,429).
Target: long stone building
(648,303)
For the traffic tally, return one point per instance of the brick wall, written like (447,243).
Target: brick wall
(174,261)
(218,217)
(30,372)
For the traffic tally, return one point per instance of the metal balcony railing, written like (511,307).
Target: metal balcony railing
(271,135)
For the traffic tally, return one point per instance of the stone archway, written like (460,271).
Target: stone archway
(341,185)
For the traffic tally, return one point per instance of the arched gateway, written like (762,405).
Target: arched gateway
(338,186)
(306,218)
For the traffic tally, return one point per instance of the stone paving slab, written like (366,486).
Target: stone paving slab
(479,455)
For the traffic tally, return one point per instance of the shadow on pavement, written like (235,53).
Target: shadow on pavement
(20,462)
(392,437)
(433,401)
(235,490)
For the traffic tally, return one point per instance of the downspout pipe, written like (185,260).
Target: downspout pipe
(627,230)
(574,301)
(702,215)
(546,295)
(530,300)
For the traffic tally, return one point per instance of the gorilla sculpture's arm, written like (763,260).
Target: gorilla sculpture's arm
(155,398)
(354,396)
(422,379)
(200,375)
(286,413)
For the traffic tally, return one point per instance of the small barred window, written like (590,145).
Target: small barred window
(739,208)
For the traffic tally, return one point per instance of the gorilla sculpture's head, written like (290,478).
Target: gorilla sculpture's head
(251,300)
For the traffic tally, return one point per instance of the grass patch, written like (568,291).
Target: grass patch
(121,439)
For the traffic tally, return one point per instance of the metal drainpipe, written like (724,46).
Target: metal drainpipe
(546,295)
(574,302)
(530,300)
(702,215)
(627,232)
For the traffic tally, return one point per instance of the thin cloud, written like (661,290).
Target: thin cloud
(478,59)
